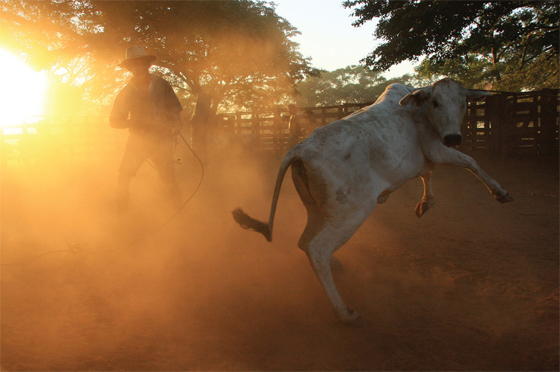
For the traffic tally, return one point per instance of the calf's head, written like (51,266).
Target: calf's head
(445,103)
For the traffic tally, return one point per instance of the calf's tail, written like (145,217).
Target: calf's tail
(247,222)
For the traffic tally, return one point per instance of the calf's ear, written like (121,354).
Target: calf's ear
(477,95)
(418,97)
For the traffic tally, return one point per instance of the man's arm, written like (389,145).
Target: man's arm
(173,103)
(171,113)
(119,114)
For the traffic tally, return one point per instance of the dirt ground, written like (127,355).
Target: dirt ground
(472,285)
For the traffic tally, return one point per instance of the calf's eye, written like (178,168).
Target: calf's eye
(435,103)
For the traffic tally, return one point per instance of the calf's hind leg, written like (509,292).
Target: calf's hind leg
(315,217)
(323,236)
(319,251)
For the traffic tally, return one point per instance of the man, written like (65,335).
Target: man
(149,108)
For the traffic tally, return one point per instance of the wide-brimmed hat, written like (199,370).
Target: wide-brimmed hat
(134,53)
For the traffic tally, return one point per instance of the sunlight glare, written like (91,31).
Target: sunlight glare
(23,95)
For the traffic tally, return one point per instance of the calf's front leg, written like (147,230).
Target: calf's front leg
(450,156)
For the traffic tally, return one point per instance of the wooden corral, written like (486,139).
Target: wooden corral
(504,124)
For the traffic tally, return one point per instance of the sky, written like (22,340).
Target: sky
(19,102)
(328,37)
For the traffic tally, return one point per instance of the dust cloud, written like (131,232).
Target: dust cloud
(86,289)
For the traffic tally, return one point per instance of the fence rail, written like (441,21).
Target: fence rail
(60,140)
(504,124)
(268,131)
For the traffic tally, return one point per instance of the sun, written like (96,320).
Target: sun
(23,92)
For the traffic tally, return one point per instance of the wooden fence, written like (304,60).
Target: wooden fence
(59,140)
(513,124)
(504,124)
(268,132)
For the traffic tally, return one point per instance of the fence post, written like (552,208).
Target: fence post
(3,149)
(467,128)
(548,118)
(276,132)
(255,126)
(492,111)
(504,119)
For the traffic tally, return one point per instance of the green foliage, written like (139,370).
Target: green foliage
(509,45)
(352,84)
(476,72)
(238,52)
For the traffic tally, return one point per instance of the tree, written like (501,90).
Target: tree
(505,42)
(352,84)
(235,52)
(479,73)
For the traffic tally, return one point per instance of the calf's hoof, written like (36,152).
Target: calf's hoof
(423,207)
(505,198)
(382,199)
(354,320)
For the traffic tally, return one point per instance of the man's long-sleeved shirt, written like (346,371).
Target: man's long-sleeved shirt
(156,113)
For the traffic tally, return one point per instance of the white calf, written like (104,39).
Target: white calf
(344,169)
